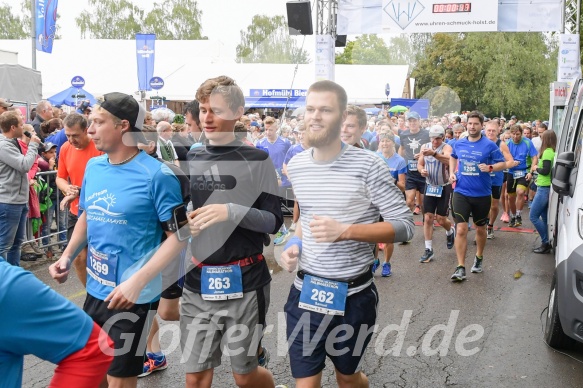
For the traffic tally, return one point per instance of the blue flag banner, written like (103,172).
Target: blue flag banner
(46,24)
(145,44)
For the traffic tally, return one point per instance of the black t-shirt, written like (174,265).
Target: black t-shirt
(239,174)
(411,144)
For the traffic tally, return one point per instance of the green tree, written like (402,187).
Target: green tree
(110,19)
(365,50)
(122,19)
(17,25)
(13,26)
(267,40)
(496,73)
(175,20)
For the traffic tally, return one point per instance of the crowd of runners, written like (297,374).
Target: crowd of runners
(170,219)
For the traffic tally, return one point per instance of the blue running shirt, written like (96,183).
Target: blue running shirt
(471,182)
(36,320)
(125,205)
(397,165)
(521,152)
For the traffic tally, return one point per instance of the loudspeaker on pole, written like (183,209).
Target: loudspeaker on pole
(299,18)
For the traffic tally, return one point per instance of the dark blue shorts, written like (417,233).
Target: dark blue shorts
(349,334)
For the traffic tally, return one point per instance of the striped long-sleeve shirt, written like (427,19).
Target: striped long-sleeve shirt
(354,188)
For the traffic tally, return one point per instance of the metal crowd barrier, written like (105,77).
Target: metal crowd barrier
(60,217)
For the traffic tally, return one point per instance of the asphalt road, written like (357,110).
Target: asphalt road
(490,333)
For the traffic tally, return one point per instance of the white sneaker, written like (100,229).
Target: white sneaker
(292,227)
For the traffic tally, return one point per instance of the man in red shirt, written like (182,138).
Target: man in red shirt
(73,158)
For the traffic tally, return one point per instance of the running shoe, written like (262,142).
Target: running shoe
(512,223)
(281,238)
(505,217)
(490,233)
(292,227)
(477,267)
(450,240)
(518,221)
(417,210)
(427,256)
(459,274)
(386,270)
(154,364)
(375,265)
(263,359)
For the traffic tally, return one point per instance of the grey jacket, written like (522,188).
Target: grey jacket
(14,169)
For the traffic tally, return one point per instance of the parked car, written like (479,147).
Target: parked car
(564,322)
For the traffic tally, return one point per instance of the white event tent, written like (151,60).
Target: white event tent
(110,65)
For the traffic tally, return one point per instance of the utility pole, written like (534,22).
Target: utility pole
(33,31)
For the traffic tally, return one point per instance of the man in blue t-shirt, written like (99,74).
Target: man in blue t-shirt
(41,322)
(474,158)
(293,151)
(128,200)
(519,175)
(277,148)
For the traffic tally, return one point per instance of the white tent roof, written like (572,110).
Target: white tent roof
(110,65)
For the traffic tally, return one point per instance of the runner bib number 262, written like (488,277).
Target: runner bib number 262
(323,295)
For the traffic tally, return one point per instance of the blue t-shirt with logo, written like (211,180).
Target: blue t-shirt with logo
(470,181)
(125,205)
(276,150)
(36,320)
(397,165)
(521,152)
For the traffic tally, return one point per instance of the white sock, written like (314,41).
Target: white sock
(449,232)
(518,213)
(428,244)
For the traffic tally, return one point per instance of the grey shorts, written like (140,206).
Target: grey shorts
(209,328)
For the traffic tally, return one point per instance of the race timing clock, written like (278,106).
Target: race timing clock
(452,7)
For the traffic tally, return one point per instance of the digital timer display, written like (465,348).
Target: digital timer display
(452,7)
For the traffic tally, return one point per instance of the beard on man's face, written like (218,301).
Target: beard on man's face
(323,138)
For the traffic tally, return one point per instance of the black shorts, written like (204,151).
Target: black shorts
(413,182)
(496,192)
(513,183)
(438,205)
(478,207)
(308,359)
(71,222)
(128,360)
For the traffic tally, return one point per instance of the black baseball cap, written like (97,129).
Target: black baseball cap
(125,107)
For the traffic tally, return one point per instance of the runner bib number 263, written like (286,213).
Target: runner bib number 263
(221,283)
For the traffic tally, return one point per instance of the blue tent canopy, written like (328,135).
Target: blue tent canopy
(372,111)
(67,97)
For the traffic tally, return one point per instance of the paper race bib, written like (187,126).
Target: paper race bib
(469,168)
(102,267)
(518,174)
(412,165)
(221,283)
(434,191)
(323,296)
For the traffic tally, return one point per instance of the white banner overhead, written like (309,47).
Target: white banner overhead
(530,15)
(439,16)
(398,16)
